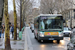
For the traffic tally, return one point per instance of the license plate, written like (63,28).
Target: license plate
(51,38)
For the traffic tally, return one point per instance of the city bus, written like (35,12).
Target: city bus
(48,27)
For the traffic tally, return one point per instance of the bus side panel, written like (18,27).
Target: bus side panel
(36,27)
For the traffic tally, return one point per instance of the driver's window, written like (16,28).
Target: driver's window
(42,25)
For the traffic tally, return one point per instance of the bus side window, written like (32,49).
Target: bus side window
(36,24)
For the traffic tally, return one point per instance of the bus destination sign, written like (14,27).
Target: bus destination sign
(45,17)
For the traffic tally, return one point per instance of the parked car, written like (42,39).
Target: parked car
(71,44)
(67,31)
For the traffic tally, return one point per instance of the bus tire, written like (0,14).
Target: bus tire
(39,40)
(58,41)
(51,41)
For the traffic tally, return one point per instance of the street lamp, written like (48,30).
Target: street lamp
(71,20)
(71,14)
(74,13)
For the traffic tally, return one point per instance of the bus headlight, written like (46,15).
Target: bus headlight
(41,34)
(60,34)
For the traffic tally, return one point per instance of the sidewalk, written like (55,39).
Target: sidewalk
(15,44)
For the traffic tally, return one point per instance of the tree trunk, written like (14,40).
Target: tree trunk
(7,36)
(15,21)
(20,15)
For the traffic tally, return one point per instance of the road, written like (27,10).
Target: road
(33,44)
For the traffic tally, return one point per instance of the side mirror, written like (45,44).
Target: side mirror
(63,20)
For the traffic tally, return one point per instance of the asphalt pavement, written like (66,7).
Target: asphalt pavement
(33,44)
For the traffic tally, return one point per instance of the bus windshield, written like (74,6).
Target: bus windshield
(51,24)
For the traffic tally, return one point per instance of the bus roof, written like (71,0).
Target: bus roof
(48,15)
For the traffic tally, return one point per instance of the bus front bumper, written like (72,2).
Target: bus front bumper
(51,38)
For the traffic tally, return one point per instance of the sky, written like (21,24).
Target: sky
(10,5)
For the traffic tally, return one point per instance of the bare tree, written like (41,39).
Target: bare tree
(18,7)
(11,18)
(26,9)
(47,6)
(15,21)
(7,36)
(27,6)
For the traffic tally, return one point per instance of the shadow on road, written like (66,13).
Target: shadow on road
(49,42)
(66,36)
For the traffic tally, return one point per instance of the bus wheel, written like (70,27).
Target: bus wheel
(58,41)
(39,40)
(51,41)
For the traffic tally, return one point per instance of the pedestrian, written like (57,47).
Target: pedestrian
(12,30)
(3,28)
(0,34)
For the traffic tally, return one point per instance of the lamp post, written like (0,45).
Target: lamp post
(71,14)
(71,20)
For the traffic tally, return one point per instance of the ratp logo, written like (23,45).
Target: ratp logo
(48,34)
